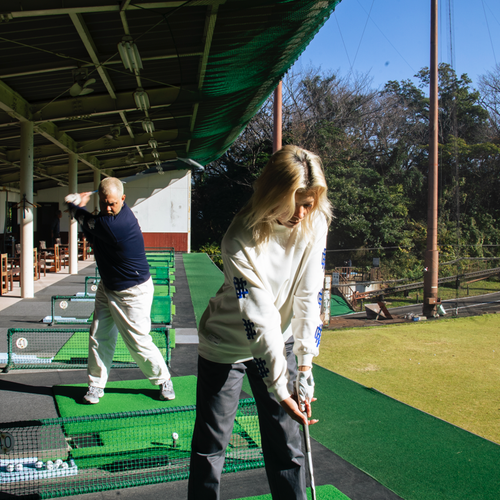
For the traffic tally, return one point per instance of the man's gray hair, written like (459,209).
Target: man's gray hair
(111,185)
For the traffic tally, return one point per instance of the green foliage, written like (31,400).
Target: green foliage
(214,252)
(375,152)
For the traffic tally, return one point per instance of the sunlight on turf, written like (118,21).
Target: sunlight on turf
(449,368)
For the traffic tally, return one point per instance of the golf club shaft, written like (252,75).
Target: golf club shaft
(309,460)
(307,441)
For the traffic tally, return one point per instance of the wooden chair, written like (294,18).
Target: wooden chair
(6,275)
(14,263)
(40,264)
(82,248)
(51,257)
(63,253)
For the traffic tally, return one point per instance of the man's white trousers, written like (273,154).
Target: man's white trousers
(129,313)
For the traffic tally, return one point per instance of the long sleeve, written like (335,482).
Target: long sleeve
(261,322)
(91,225)
(306,323)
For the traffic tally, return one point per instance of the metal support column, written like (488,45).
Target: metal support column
(432,255)
(95,198)
(277,118)
(73,224)
(26,211)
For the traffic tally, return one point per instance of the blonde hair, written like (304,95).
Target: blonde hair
(289,171)
(111,185)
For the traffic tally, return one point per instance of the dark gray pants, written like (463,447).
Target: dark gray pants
(217,396)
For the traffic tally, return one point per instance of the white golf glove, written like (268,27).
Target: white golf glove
(305,386)
(73,198)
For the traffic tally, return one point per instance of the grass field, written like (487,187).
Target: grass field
(449,368)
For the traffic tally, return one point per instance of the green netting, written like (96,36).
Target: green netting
(59,349)
(242,74)
(72,456)
(91,284)
(78,310)
(71,309)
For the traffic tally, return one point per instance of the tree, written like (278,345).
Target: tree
(489,85)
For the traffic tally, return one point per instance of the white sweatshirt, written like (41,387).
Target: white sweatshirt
(269,293)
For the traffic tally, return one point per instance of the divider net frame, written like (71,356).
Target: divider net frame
(68,348)
(112,451)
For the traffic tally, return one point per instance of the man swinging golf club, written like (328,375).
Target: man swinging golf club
(125,293)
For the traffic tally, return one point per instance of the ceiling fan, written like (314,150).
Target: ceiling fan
(113,133)
(82,83)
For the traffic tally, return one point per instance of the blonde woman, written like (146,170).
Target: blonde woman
(266,313)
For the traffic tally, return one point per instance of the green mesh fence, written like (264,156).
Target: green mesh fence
(91,284)
(78,310)
(71,309)
(68,348)
(72,456)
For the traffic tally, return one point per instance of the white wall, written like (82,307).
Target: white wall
(161,203)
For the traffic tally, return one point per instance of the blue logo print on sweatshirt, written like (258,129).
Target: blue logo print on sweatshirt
(317,335)
(323,259)
(249,329)
(320,298)
(261,366)
(239,286)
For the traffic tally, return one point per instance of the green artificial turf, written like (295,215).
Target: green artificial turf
(412,453)
(130,428)
(339,306)
(123,396)
(326,492)
(204,279)
(77,348)
(447,367)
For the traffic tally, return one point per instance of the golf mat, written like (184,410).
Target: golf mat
(123,396)
(412,453)
(204,280)
(326,492)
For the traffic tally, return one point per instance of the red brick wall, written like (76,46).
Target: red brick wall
(159,240)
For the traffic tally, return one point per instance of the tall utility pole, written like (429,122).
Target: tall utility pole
(431,255)
(277,118)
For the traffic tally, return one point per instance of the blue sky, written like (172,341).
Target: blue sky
(390,39)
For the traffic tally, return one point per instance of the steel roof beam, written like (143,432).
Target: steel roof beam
(65,142)
(42,69)
(14,105)
(86,38)
(105,6)
(94,105)
(208,36)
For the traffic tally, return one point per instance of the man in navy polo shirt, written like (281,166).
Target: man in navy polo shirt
(125,293)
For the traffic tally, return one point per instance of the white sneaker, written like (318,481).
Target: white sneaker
(93,395)
(167,391)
